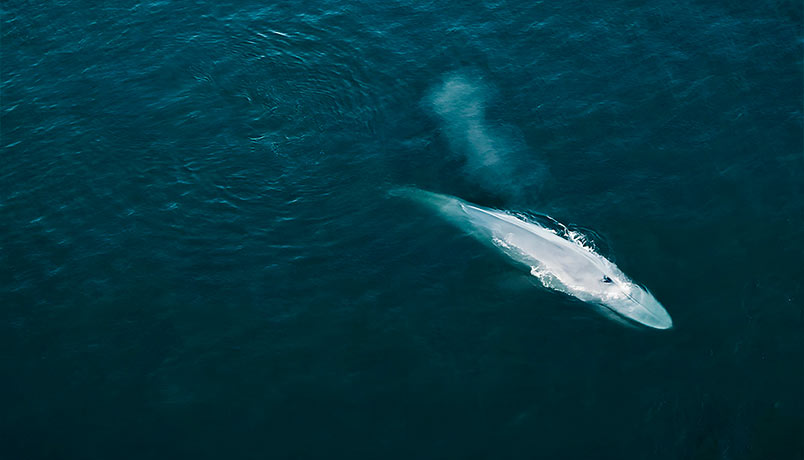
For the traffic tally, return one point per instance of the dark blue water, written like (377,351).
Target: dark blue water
(199,257)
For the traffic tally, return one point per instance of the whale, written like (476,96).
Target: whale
(560,263)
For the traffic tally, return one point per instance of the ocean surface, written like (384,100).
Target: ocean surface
(200,257)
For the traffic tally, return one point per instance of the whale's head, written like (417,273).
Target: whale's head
(604,285)
(634,302)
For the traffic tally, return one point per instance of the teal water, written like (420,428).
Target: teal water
(199,257)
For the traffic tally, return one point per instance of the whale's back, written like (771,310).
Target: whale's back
(559,263)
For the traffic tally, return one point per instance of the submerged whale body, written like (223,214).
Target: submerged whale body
(559,263)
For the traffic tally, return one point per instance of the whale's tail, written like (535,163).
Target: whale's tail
(445,205)
(423,196)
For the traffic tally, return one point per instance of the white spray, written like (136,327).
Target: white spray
(496,156)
